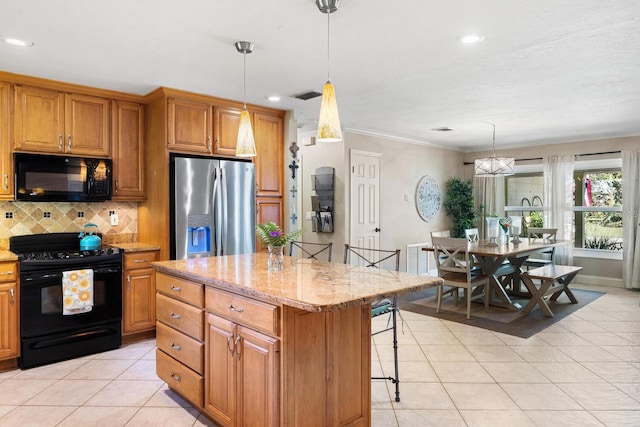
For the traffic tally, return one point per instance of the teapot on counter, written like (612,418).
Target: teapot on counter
(88,240)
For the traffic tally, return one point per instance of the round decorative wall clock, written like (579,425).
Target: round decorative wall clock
(428,199)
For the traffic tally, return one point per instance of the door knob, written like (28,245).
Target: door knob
(377,230)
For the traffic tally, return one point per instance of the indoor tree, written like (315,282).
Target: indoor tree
(458,204)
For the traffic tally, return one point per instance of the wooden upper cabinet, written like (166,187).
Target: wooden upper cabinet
(225,125)
(87,125)
(48,121)
(268,131)
(6,164)
(189,126)
(128,151)
(39,120)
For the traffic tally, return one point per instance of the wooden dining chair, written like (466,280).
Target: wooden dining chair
(544,235)
(472,234)
(317,251)
(455,267)
(390,260)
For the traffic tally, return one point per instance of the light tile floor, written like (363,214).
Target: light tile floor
(582,371)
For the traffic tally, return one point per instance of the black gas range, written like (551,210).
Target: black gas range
(47,334)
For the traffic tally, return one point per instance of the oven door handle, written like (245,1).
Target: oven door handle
(107,270)
(39,277)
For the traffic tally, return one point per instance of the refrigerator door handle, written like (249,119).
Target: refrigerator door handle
(225,208)
(216,210)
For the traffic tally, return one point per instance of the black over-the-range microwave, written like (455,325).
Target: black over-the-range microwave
(43,178)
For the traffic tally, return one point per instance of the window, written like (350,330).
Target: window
(598,203)
(598,216)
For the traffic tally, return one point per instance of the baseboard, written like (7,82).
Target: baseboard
(599,281)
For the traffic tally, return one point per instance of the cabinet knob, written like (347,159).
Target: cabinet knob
(175,316)
(176,347)
(236,309)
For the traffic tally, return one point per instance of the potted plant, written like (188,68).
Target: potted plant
(458,204)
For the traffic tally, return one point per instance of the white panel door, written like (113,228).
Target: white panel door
(365,199)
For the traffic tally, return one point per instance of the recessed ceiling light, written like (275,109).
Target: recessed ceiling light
(274,98)
(17,42)
(470,38)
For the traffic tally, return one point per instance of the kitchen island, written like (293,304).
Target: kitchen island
(248,346)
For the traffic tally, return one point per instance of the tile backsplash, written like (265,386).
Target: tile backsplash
(19,218)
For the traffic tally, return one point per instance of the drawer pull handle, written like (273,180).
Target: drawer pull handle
(175,316)
(236,309)
(6,273)
(176,347)
(60,142)
(140,260)
(13,296)
(176,288)
(176,377)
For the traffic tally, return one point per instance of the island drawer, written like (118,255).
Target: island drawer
(181,347)
(180,316)
(8,272)
(245,311)
(180,378)
(184,290)
(139,259)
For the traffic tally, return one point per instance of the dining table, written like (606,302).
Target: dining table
(502,262)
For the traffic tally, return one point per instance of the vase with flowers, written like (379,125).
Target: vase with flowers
(505,225)
(275,239)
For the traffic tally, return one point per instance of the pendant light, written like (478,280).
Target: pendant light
(494,166)
(246,145)
(329,121)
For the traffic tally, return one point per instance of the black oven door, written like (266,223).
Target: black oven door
(49,336)
(41,302)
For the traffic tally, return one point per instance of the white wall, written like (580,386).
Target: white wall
(401,167)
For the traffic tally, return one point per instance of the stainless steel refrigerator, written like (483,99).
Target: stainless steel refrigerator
(213,210)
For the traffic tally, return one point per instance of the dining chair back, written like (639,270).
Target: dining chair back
(472,234)
(455,267)
(378,258)
(541,235)
(317,251)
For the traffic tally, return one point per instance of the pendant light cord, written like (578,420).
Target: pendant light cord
(328,44)
(244,80)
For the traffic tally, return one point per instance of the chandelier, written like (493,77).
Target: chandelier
(494,166)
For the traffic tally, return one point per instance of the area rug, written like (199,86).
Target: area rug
(496,318)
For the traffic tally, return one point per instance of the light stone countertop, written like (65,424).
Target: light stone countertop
(8,256)
(306,284)
(135,247)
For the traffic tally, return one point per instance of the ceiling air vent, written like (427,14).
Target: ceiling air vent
(443,129)
(305,96)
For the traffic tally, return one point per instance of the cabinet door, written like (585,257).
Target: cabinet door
(258,361)
(189,126)
(128,151)
(87,125)
(6,165)
(9,343)
(39,120)
(268,131)
(268,209)
(220,381)
(139,300)
(226,125)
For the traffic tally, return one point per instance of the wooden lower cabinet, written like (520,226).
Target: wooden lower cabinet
(180,336)
(9,309)
(243,378)
(264,364)
(139,293)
